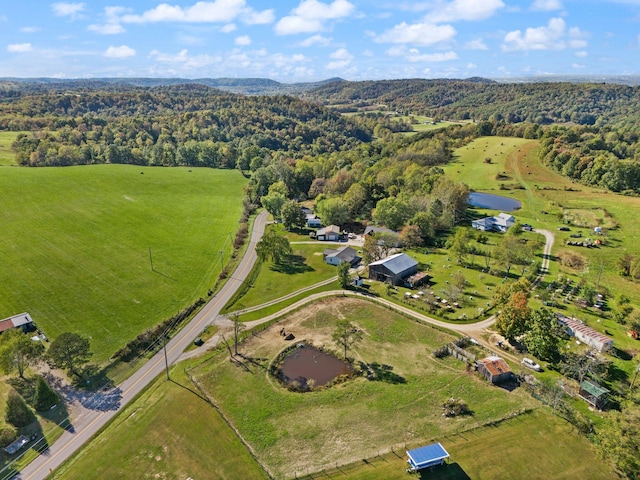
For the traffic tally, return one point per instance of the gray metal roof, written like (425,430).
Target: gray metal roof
(397,263)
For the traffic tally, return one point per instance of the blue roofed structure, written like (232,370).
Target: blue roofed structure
(393,269)
(427,456)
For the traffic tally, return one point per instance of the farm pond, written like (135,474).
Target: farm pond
(493,202)
(310,367)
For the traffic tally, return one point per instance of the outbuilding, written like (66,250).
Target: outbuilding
(594,394)
(394,269)
(22,321)
(427,456)
(585,334)
(494,369)
(330,233)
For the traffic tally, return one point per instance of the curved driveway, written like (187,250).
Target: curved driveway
(88,424)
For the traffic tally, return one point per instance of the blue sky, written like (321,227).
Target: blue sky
(307,40)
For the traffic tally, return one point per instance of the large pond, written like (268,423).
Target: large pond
(306,363)
(493,202)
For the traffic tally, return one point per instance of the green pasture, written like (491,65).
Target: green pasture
(169,431)
(536,446)
(549,200)
(291,433)
(305,268)
(111,250)
(7,156)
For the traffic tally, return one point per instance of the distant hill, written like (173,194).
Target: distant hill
(483,99)
(244,86)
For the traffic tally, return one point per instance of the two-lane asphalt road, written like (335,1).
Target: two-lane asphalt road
(88,424)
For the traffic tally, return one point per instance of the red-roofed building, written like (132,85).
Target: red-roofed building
(494,369)
(23,321)
(585,334)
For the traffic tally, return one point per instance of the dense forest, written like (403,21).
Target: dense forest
(481,99)
(177,125)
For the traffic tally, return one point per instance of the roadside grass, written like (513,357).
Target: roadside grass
(305,268)
(537,445)
(78,242)
(272,309)
(169,431)
(292,433)
(7,157)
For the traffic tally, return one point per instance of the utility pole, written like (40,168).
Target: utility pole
(166,361)
(151,259)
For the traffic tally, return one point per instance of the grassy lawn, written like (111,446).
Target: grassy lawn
(359,418)
(7,156)
(307,267)
(76,245)
(167,432)
(535,446)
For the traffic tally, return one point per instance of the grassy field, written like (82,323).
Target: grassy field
(306,268)
(550,201)
(536,446)
(6,153)
(168,432)
(76,245)
(357,419)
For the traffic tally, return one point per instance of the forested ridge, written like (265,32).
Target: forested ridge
(175,125)
(480,99)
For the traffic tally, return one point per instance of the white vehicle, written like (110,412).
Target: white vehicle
(527,362)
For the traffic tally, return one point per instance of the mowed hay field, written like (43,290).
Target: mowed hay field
(75,245)
(292,433)
(168,432)
(549,200)
(6,153)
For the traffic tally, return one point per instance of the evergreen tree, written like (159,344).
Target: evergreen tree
(45,397)
(18,412)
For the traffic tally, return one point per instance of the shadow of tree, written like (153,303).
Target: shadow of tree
(382,373)
(108,398)
(291,265)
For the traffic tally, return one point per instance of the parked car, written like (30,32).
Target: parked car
(527,362)
(526,227)
(564,229)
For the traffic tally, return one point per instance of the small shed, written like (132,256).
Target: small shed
(494,369)
(594,394)
(427,456)
(23,321)
(393,269)
(330,233)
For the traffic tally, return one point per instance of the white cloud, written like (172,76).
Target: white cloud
(578,65)
(417,34)
(73,10)
(19,47)
(546,5)
(414,56)
(183,58)
(252,17)
(311,15)
(476,44)
(107,28)
(464,10)
(119,52)
(30,29)
(581,54)
(316,40)
(550,37)
(218,11)
(243,40)
(228,28)
(471,66)
(341,59)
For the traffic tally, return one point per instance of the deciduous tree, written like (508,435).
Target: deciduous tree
(292,215)
(343,274)
(273,247)
(69,351)
(346,335)
(18,351)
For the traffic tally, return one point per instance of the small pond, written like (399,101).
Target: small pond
(493,202)
(306,362)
